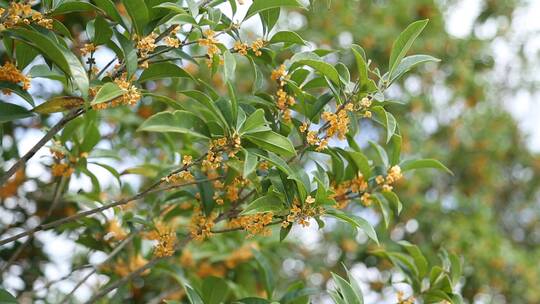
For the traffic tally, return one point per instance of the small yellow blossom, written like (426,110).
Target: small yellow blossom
(10,73)
(241,48)
(366,199)
(256,47)
(147,45)
(166,244)
(172,42)
(88,49)
(187,160)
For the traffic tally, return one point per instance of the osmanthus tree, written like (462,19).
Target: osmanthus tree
(227,163)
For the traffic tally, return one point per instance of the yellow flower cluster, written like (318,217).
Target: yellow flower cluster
(254,223)
(210,42)
(231,191)
(337,124)
(123,269)
(130,97)
(301,213)
(256,46)
(364,105)
(241,48)
(240,255)
(180,177)
(147,45)
(18,13)
(166,244)
(61,169)
(402,300)
(11,186)
(201,226)
(115,230)
(284,101)
(356,185)
(394,174)
(214,158)
(88,49)
(10,73)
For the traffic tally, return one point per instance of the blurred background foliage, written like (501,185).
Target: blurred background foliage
(487,212)
(452,111)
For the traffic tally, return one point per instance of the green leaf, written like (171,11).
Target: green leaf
(273,142)
(267,271)
(163,70)
(229,66)
(382,157)
(287,37)
(269,202)
(250,163)
(6,297)
(59,104)
(102,31)
(193,296)
(404,42)
(355,221)
(418,258)
(214,290)
(107,92)
(73,6)
(9,112)
(174,7)
(110,9)
(252,300)
(323,68)
(263,5)
(138,12)
(408,63)
(254,123)
(423,164)
(387,120)
(361,162)
(61,56)
(346,290)
(17,90)
(178,121)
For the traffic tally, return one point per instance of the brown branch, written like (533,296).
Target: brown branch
(80,215)
(50,134)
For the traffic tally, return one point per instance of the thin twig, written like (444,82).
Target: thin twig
(50,134)
(83,214)
(116,250)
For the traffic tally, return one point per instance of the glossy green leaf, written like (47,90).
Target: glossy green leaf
(214,290)
(408,63)
(61,56)
(9,112)
(254,123)
(73,6)
(287,37)
(424,164)
(346,290)
(404,42)
(107,92)
(177,122)
(17,90)
(261,5)
(323,68)
(356,222)
(163,70)
(6,297)
(138,12)
(273,142)
(269,202)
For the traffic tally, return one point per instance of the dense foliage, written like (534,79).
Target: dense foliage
(189,139)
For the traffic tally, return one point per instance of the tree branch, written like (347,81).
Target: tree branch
(50,134)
